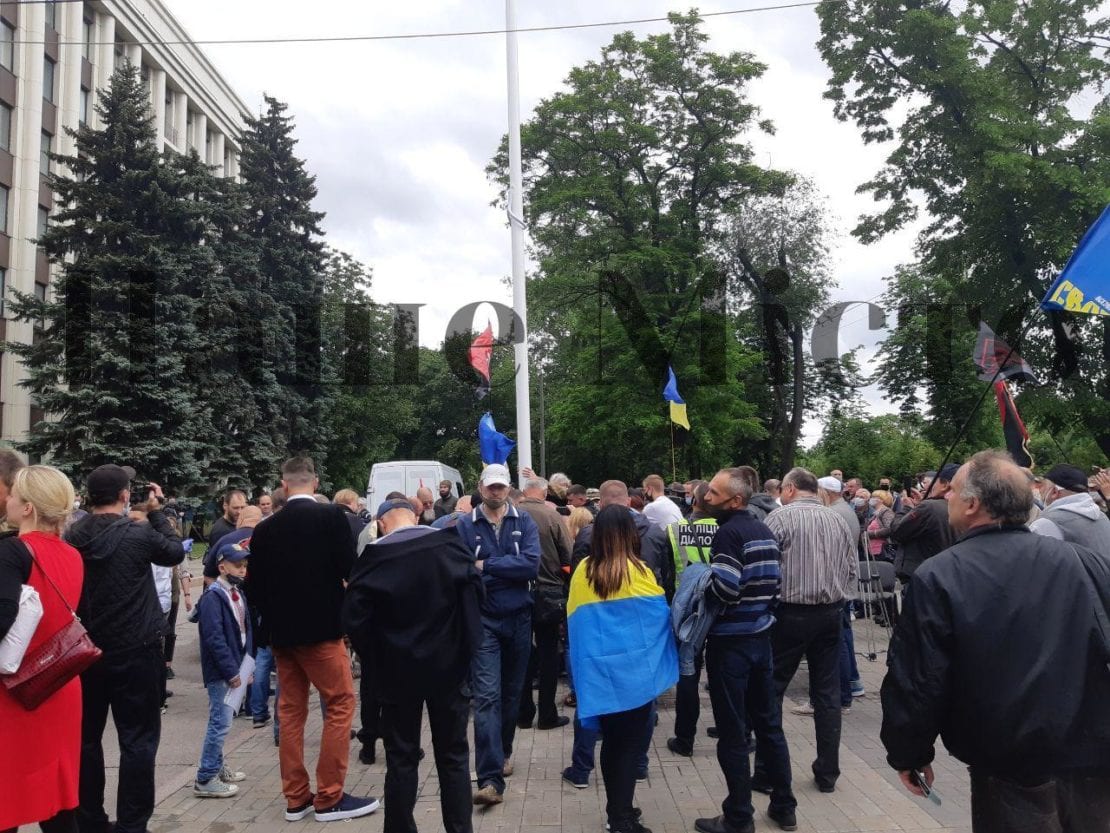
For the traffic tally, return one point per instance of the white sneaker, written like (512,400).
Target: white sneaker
(231,776)
(214,789)
(806,709)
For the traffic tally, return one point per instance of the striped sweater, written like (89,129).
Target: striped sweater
(746,576)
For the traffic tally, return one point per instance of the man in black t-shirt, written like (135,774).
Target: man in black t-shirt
(234,502)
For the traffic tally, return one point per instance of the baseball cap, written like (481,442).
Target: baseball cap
(1071,478)
(949,471)
(233,553)
(496,473)
(104,483)
(593,494)
(831,484)
(389,505)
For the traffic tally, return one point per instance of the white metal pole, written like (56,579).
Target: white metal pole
(516,226)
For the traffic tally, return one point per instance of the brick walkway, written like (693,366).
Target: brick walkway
(868,796)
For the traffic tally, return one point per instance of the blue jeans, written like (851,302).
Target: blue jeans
(260,688)
(742,690)
(219,724)
(585,741)
(496,678)
(848,669)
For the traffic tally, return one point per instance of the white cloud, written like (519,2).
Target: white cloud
(399,132)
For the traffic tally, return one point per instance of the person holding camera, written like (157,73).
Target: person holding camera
(119,608)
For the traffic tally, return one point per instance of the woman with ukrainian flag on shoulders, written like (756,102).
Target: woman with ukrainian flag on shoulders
(622,654)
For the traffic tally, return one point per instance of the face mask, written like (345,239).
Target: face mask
(857,501)
(494,502)
(689,500)
(234,581)
(875,504)
(720,513)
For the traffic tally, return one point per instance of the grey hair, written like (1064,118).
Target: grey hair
(739,482)
(801,479)
(535,483)
(999,485)
(560,479)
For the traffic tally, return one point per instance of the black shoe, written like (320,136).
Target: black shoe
(719,825)
(168,695)
(760,786)
(169,673)
(559,723)
(712,732)
(785,819)
(825,786)
(366,756)
(522,724)
(679,747)
(637,814)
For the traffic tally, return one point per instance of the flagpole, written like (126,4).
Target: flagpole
(516,227)
(674,473)
(967,422)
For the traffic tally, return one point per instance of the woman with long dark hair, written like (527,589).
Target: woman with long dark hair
(622,654)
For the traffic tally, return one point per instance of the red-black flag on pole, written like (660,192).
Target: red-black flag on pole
(1013,428)
(481,349)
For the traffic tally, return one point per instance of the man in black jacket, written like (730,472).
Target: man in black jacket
(119,608)
(300,558)
(1002,650)
(413,611)
(921,528)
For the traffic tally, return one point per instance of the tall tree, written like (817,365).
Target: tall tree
(628,173)
(278,193)
(107,361)
(983,102)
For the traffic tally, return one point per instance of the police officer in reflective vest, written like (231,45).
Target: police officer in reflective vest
(690,541)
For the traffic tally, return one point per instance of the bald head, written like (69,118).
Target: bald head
(249,516)
(613,493)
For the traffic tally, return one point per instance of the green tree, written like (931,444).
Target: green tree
(628,175)
(368,413)
(872,447)
(279,219)
(107,361)
(982,103)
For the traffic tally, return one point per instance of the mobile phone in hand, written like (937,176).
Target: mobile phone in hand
(918,779)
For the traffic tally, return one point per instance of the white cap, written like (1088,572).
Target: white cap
(831,484)
(495,473)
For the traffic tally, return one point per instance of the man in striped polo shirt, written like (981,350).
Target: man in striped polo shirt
(746,577)
(819,574)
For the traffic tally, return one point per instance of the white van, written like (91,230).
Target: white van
(406,476)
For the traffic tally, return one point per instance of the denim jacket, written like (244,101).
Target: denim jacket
(692,614)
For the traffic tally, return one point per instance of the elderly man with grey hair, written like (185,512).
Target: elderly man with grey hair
(549,610)
(1002,651)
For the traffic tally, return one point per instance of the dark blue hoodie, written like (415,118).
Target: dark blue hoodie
(511,560)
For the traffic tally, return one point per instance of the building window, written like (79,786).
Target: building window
(227,163)
(7,46)
(88,28)
(120,56)
(207,145)
(40,291)
(145,73)
(190,128)
(169,116)
(5,127)
(44,222)
(48,68)
(4,209)
(83,115)
(3,290)
(45,146)
(51,14)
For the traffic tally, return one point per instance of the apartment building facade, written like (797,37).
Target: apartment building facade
(54,57)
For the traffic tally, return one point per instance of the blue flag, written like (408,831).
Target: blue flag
(494,446)
(678,404)
(1084,285)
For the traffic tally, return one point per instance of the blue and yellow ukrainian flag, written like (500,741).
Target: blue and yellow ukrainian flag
(622,651)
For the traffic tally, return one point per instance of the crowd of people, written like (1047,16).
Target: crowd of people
(456,605)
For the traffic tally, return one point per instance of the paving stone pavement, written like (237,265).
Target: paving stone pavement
(868,796)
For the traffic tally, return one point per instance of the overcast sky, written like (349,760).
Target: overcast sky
(398,133)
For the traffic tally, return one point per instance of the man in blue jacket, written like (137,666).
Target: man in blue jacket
(506,548)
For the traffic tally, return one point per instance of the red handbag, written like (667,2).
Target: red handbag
(55,662)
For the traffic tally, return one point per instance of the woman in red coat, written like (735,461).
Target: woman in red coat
(40,749)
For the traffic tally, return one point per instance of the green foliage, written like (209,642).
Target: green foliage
(279,219)
(983,104)
(107,362)
(872,447)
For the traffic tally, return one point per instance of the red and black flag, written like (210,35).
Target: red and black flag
(481,349)
(997,362)
(1012,427)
